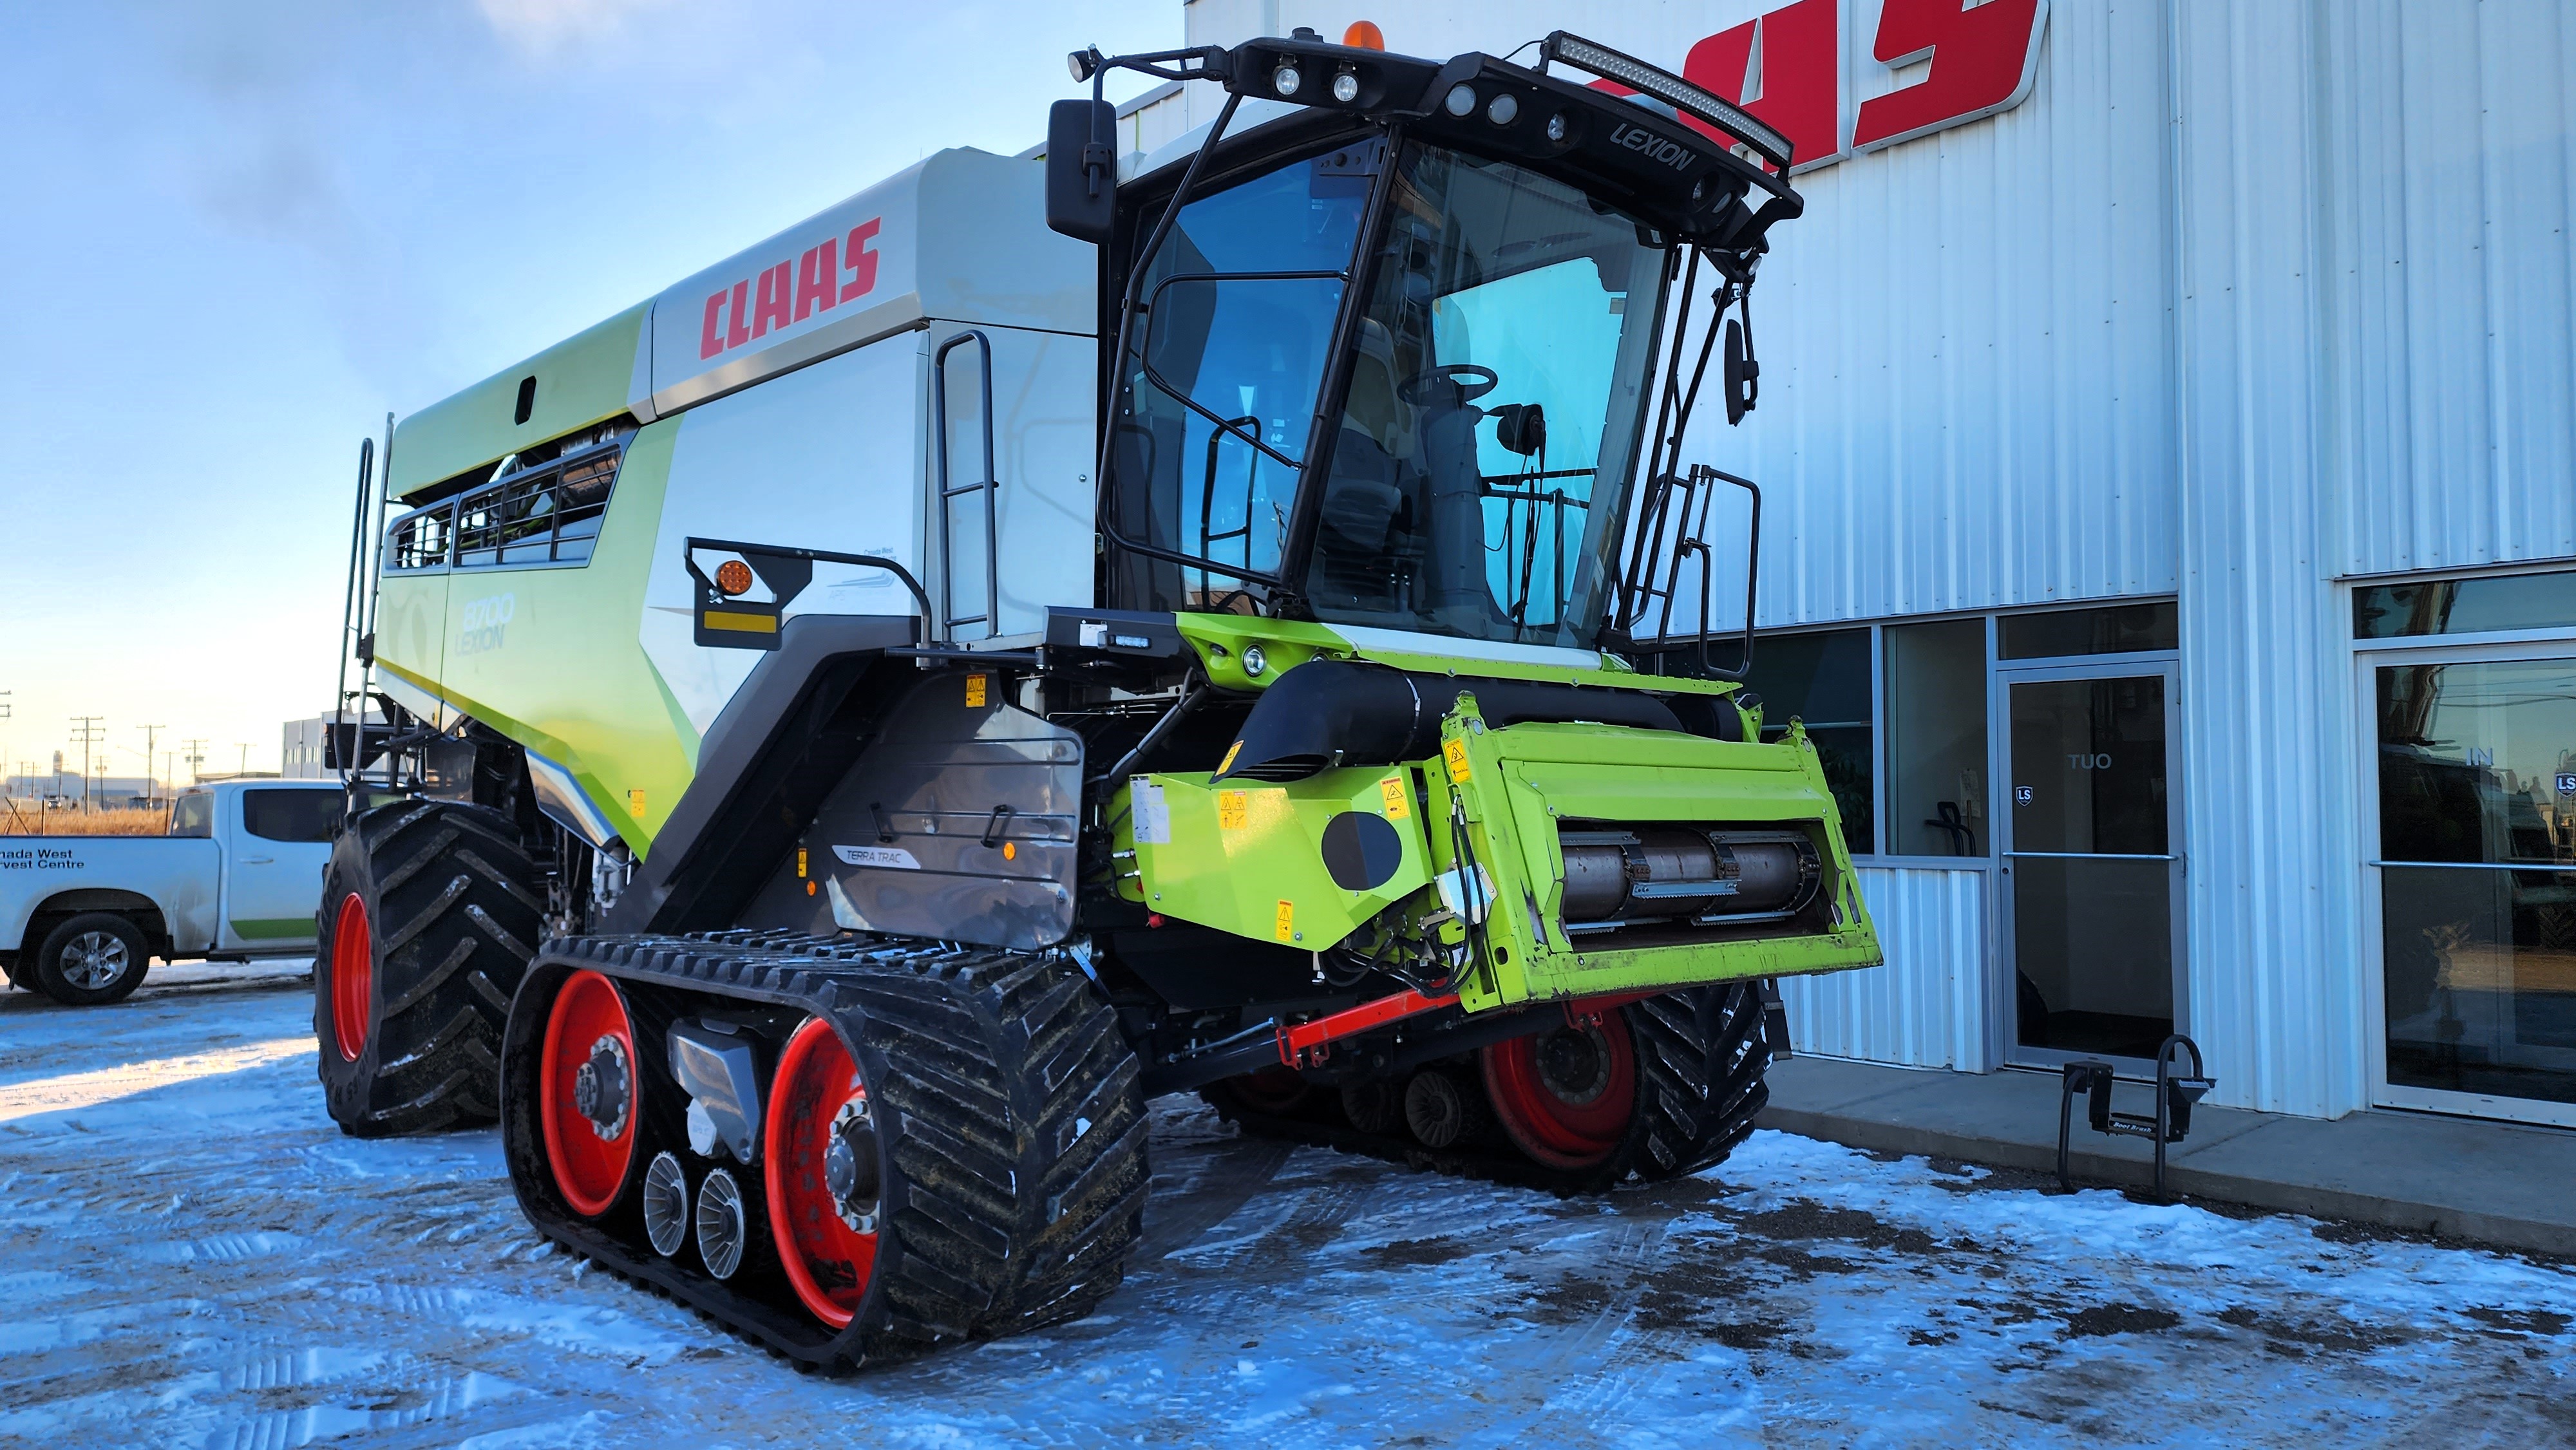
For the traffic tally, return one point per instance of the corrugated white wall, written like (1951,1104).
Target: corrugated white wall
(2449,198)
(1926,1006)
(2269,828)
(1966,347)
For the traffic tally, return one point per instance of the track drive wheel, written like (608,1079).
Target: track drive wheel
(430,911)
(1661,1088)
(952,1141)
(1565,1096)
(826,1173)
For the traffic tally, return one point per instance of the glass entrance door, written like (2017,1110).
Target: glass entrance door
(2475,873)
(2091,883)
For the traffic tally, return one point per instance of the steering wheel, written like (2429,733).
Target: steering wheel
(1473,382)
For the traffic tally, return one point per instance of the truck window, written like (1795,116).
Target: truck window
(193,815)
(291,815)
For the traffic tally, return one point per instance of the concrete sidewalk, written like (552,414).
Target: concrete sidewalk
(2501,1184)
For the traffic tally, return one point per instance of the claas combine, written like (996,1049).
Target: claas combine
(1049,633)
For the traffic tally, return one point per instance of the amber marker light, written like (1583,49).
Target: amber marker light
(1364,35)
(733,576)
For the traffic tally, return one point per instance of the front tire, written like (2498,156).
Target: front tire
(93,959)
(430,911)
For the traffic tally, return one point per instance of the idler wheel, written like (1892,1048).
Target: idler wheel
(666,1204)
(724,1227)
(586,1092)
(1442,1110)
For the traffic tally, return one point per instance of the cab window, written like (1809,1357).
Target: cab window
(1493,415)
(193,815)
(1217,393)
(302,816)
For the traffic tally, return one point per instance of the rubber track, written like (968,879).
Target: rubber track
(455,906)
(1701,1055)
(1017,1162)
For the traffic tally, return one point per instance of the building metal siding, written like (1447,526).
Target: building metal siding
(2246,298)
(1925,1007)
(1966,350)
(2450,141)
(2269,833)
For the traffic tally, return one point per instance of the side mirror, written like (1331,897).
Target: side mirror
(1082,169)
(1743,375)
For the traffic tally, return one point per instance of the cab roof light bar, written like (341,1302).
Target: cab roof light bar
(1672,90)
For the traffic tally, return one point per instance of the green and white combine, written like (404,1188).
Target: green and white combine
(1047,634)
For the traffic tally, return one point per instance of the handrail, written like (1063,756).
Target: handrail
(690,546)
(1209,535)
(349,612)
(991,488)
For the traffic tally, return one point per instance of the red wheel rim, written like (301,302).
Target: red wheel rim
(353,976)
(1565,1096)
(828,1261)
(589,1169)
(1271,1090)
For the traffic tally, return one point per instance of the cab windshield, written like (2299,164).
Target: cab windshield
(1494,408)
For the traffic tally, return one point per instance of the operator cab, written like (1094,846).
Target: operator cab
(1388,363)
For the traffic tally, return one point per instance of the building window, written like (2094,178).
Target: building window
(2114,629)
(1936,739)
(2477,835)
(2465,606)
(1823,679)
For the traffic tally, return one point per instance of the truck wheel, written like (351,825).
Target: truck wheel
(95,958)
(430,911)
(1660,1088)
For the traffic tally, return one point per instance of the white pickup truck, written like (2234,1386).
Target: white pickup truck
(238,876)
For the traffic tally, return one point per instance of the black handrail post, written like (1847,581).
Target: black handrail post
(349,614)
(990,487)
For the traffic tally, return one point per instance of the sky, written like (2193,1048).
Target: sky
(236,236)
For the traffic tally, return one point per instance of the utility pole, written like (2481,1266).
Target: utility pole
(196,758)
(151,785)
(89,730)
(245,757)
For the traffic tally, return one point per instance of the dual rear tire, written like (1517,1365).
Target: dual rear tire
(430,911)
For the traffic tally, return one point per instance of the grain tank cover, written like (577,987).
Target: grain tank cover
(960,237)
(978,219)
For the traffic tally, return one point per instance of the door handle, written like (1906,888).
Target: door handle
(257,860)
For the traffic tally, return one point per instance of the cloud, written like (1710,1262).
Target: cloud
(538,28)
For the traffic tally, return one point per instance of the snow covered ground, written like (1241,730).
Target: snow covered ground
(192,1255)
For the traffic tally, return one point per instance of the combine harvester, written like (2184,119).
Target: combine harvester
(1040,636)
